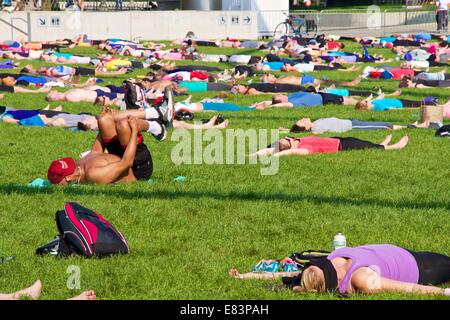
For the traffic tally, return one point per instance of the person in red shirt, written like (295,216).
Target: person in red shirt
(311,145)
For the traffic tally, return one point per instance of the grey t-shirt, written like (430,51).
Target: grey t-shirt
(332,125)
(72,120)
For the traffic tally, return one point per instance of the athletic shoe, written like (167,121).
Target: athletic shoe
(167,108)
(163,135)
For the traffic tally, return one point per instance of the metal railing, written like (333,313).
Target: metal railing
(356,22)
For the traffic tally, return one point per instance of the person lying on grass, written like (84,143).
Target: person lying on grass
(69,72)
(49,118)
(127,158)
(311,145)
(307,79)
(89,94)
(338,125)
(382,104)
(13,81)
(305,99)
(151,113)
(303,67)
(34,293)
(426,81)
(368,269)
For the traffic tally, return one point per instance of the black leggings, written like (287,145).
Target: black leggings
(218,86)
(435,83)
(348,144)
(277,87)
(407,43)
(359,93)
(195,68)
(335,66)
(434,268)
(411,103)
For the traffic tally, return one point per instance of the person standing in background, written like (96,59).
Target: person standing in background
(442,15)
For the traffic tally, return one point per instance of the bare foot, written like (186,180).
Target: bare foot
(87,295)
(387,140)
(396,93)
(33,292)
(58,108)
(211,122)
(223,125)
(356,81)
(399,145)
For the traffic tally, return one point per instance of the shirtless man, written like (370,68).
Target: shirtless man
(306,79)
(128,158)
(86,95)
(118,165)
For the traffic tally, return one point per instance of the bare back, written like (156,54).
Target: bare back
(94,162)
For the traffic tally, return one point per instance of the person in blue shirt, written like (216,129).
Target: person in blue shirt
(382,104)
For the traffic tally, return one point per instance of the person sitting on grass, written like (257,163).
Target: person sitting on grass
(368,269)
(311,145)
(338,125)
(34,293)
(127,158)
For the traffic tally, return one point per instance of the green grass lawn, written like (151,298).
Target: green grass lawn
(184,237)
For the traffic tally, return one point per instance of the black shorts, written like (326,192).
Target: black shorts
(137,65)
(6,89)
(142,165)
(329,98)
(84,71)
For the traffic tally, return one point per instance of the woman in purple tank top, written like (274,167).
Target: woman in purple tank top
(377,268)
(368,269)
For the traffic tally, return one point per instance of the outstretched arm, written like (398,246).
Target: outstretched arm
(292,152)
(263,152)
(368,281)
(261,275)
(23,90)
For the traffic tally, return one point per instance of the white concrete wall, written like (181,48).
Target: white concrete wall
(153,25)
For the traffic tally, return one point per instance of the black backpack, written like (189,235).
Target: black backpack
(443,131)
(134,96)
(302,259)
(84,232)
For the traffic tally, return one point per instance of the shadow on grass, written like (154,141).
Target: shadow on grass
(234,196)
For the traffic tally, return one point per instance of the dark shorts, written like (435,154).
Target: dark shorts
(143,163)
(116,89)
(329,98)
(84,72)
(110,95)
(137,65)
(348,144)
(6,89)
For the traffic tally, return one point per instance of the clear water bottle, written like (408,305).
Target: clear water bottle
(339,241)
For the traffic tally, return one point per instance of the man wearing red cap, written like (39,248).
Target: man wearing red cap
(128,158)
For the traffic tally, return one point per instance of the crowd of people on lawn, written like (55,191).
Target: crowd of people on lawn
(150,104)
